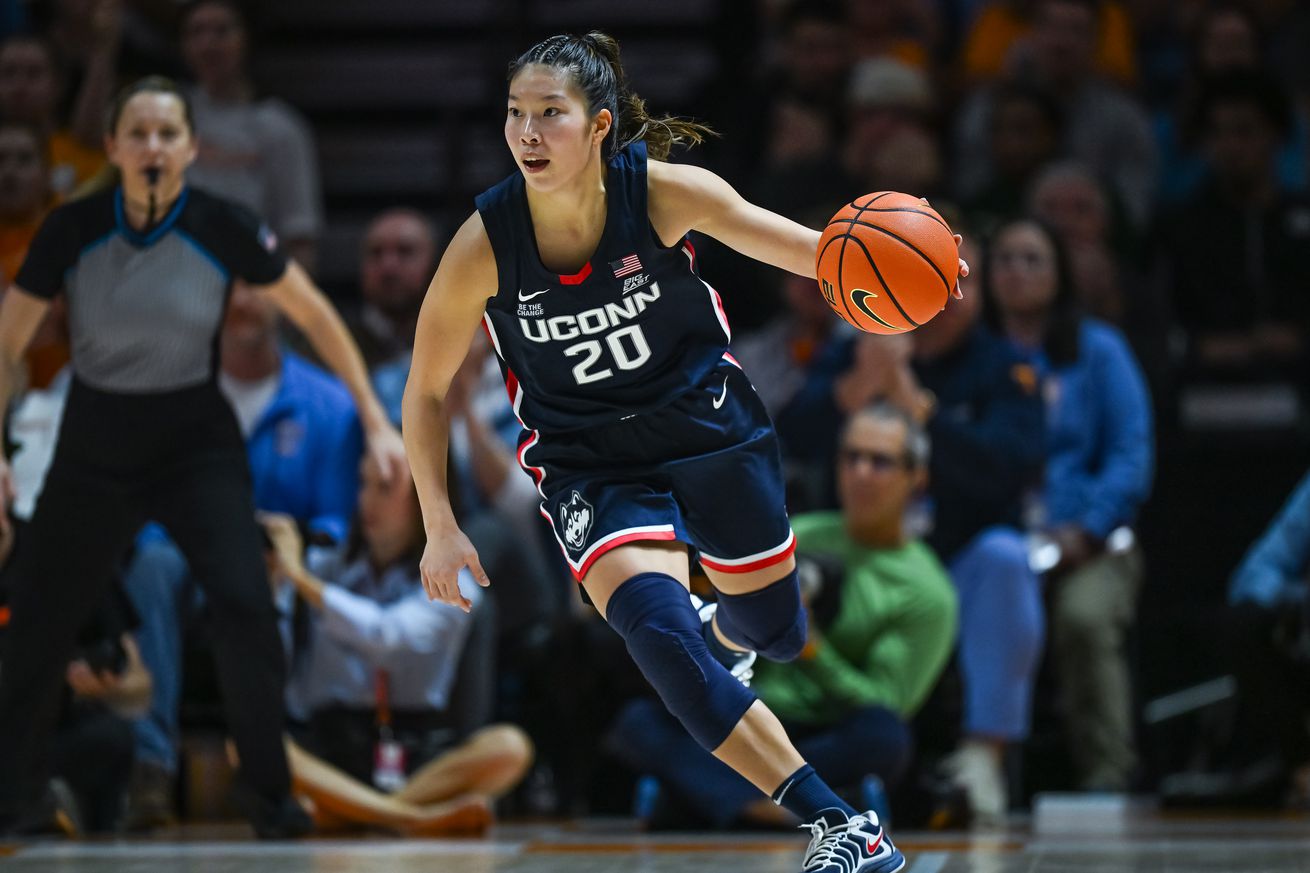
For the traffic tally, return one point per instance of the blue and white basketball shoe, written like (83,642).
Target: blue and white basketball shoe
(850,845)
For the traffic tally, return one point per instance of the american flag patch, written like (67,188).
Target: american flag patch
(626,267)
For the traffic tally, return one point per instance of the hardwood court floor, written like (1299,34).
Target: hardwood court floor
(1150,844)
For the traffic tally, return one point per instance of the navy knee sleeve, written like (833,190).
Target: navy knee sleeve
(654,615)
(771,621)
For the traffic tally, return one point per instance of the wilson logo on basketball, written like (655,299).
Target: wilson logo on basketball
(829,292)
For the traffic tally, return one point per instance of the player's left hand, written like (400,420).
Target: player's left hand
(388,450)
(964,271)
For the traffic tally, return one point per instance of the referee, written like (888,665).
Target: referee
(146,270)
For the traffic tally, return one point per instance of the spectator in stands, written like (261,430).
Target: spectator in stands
(882,628)
(25,194)
(1228,38)
(888,145)
(1100,446)
(255,150)
(1233,256)
(812,66)
(904,30)
(1026,134)
(794,362)
(107,686)
(397,258)
(304,442)
(373,662)
(1104,128)
(984,414)
(1103,262)
(1000,41)
(1072,200)
(87,37)
(890,106)
(31,83)
(25,198)
(1270,622)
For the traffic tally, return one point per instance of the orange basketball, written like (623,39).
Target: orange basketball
(887,262)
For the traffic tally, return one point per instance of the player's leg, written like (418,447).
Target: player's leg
(635,587)
(641,589)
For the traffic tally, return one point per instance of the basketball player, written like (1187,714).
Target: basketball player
(146,269)
(642,433)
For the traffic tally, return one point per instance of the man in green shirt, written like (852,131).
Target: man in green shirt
(883,622)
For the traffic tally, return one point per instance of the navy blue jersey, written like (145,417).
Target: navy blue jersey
(633,330)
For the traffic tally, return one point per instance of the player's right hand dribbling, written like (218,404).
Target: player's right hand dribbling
(446,553)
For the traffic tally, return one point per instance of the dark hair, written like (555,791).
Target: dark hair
(1255,88)
(592,61)
(1061,343)
(357,545)
(150,85)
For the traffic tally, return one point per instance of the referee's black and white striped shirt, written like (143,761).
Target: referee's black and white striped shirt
(145,309)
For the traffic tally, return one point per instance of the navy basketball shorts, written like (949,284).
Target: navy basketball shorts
(704,470)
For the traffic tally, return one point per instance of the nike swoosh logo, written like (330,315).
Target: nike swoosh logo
(524,298)
(873,845)
(723,395)
(860,298)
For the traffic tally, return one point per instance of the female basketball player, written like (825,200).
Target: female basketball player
(642,433)
(146,269)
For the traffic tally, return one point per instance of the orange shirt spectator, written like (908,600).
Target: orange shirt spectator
(999,35)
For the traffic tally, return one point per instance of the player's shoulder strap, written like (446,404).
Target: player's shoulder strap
(627,194)
(503,208)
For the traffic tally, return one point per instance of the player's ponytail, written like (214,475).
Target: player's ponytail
(593,62)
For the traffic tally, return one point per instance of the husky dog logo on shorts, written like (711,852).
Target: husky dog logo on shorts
(576,516)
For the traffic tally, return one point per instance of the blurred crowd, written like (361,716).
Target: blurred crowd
(983,507)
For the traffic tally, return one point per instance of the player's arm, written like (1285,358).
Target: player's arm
(684,198)
(447,322)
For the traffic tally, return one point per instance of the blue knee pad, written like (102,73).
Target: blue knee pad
(772,621)
(653,614)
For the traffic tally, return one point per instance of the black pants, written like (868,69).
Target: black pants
(177,458)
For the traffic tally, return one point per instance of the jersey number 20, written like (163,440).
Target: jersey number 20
(618,342)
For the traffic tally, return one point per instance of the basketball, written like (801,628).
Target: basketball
(887,262)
